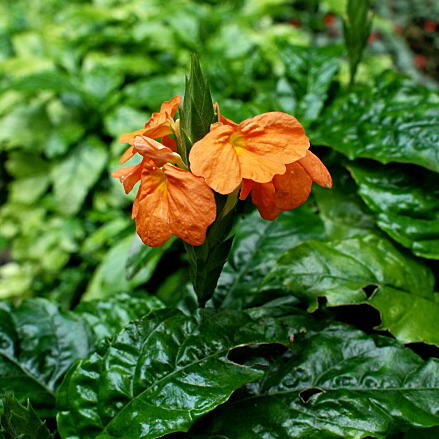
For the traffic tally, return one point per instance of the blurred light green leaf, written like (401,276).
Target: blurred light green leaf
(110,277)
(31,178)
(75,175)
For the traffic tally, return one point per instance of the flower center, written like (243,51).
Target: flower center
(237,140)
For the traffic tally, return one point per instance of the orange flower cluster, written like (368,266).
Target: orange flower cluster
(266,156)
(170,200)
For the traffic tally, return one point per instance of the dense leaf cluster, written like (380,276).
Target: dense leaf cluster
(306,334)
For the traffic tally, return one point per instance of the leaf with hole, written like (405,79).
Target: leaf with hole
(162,373)
(337,383)
(362,270)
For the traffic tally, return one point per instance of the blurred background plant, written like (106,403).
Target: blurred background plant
(78,73)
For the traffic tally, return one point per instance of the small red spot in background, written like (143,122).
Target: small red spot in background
(398,29)
(372,38)
(295,22)
(430,26)
(329,20)
(420,61)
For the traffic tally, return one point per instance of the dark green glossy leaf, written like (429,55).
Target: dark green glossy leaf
(339,384)
(341,271)
(406,203)
(343,212)
(395,121)
(309,72)
(39,342)
(107,317)
(162,373)
(74,176)
(21,422)
(257,246)
(424,433)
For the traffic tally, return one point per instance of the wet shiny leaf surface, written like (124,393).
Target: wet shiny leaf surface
(405,202)
(257,246)
(309,73)
(21,422)
(39,341)
(363,270)
(162,373)
(395,121)
(339,384)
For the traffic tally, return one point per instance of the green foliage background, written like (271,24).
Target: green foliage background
(305,335)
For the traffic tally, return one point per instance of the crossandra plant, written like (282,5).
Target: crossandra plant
(312,310)
(186,166)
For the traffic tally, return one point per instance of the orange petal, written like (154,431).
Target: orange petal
(316,170)
(247,186)
(275,136)
(130,152)
(257,168)
(226,121)
(170,107)
(154,150)
(160,124)
(173,201)
(128,176)
(221,118)
(263,195)
(292,188)
(191,205)
(169,142)
(269,213)
(214,158)
(129,137)
(151,209)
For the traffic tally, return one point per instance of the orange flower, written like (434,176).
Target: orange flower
(159,125)
(170,200)
(256,149)
(289,190)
